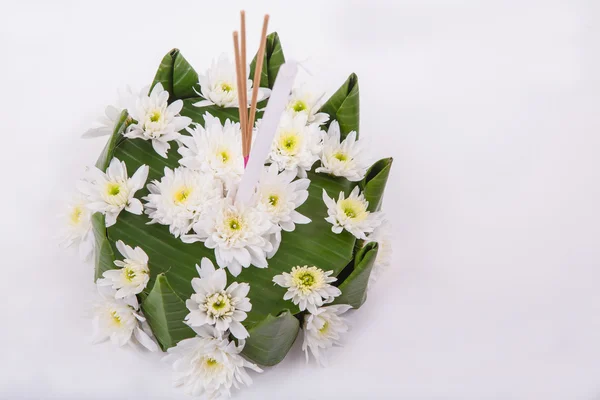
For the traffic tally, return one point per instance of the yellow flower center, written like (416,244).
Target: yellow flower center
(76,215)
(129,273)
(289,142)
(113,189)
(224,156)
(182,195)
(273,200)
(115,317)
(219,305)
(324,328)
(116,193)
(354,209)
(155,116)
(211,362)
(226,87)
(341,156)
(307,279)
(234,224)
(299,105)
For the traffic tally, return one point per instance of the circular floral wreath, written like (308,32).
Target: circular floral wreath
(311,227)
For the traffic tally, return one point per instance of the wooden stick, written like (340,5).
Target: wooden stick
(257,74)
(243,48)
(238,74)
(244,88)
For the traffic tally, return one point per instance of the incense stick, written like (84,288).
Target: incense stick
(257,74)
(243,59)
(238,74)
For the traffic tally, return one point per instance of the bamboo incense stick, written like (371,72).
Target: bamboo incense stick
(238,74)
(244,89)
(257,75)
(243,59)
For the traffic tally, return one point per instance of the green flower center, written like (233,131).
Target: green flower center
(155,116)
(299,105)
(354,209)
(219,305)
(113,189)
(307,279)
(211,362)
(324,328)
(289,143)
(273,200)
(226,87)
(129,274)
(350,212)
(224,156)
(234,224)
(340,156)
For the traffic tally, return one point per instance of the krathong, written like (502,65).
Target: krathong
(229,211)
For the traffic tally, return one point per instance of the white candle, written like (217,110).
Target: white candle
(268,126)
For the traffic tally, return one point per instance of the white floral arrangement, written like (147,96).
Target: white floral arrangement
(216,238)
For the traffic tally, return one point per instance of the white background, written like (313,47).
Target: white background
(491,112)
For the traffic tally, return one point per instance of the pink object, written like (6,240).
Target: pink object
(246,160)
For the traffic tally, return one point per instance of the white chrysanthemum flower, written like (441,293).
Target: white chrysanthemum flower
(156,120)
(111,192)
(209,364)
(219,85)
(308,287)
(213,304)
(279,195)
(178,199)
(322,330)
(307,102)
(345,159)
(237,233)
(384,252)
(351,214)
(215,149)
(108,122)
(133,273)
(117,320)
(296,145)
(78,227)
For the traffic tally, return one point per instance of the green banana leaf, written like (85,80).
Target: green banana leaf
(115,137)
(344,106)
(271,339)
(165,313)
(104,254)
(373,185)
(177,76)
(354,287)
(273,59)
